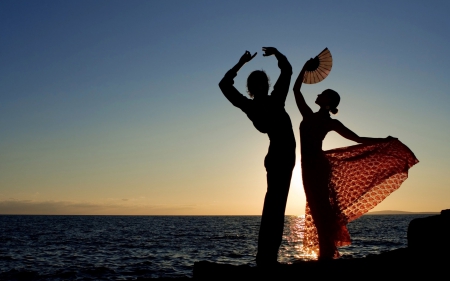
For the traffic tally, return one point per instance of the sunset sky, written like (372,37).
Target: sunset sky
(113,107)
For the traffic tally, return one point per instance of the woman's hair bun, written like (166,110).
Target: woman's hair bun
(334,110)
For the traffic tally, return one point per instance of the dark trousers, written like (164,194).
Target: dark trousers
(279,173)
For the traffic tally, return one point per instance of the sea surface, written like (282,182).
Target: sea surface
(136,247)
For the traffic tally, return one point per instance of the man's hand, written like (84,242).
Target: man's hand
(246,57)
(269,51)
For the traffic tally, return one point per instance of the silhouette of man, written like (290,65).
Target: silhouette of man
(269,116)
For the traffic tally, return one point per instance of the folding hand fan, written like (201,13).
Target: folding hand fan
(318,67)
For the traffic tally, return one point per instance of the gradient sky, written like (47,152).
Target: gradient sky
(112,107)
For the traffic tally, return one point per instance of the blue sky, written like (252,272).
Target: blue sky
(114,104)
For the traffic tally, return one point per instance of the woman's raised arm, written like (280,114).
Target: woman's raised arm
(305,110)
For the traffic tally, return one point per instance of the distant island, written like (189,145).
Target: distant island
(394,212)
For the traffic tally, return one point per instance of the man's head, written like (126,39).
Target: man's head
(258,84)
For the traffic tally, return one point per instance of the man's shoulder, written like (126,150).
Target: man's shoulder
(275,101)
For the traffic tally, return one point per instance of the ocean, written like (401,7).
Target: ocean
(134,247)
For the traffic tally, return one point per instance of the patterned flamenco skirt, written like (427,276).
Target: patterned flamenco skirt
(357,178)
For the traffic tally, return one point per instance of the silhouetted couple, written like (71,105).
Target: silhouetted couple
(378,166)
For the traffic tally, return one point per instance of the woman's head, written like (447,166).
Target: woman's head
(258,84)
(329,99)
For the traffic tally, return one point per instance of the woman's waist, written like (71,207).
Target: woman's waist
(311,152)
(313,157)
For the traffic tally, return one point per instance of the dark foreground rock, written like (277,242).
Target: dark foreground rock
(400,263)
(430,235)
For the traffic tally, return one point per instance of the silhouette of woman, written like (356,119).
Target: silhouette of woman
(342,184)
(269,117)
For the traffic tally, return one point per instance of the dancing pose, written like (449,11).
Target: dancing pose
(269,117)
(341,185)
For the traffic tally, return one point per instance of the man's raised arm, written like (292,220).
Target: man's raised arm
(227,82)
(281,87)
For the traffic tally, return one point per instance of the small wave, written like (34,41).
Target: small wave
(235,255)
(227,237)
(98,271)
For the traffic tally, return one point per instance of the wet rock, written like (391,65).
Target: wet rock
(430,236)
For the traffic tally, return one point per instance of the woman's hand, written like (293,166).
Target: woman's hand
(307,64)
(269,51)
(246,57)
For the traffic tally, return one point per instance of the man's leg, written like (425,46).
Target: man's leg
(272,221)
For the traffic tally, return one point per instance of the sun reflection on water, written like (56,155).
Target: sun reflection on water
(291,249)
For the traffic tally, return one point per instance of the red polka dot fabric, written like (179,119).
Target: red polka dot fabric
(361,177)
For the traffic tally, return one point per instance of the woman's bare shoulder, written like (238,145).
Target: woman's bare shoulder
(335,123)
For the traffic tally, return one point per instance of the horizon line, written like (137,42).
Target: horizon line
(385,212)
